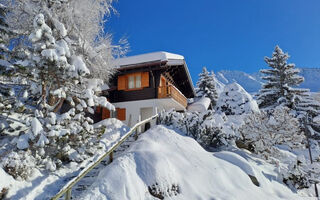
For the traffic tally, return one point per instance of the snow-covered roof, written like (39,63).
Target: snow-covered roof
(150,57)
(171,59)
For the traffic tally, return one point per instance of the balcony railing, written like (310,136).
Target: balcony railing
(171,91)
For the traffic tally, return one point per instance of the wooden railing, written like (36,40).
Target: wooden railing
(173,92)
(66,190)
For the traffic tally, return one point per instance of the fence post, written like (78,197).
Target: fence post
(68,194)
(310,153)
(111,157)
(136,135)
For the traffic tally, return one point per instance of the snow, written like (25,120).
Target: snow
(316,119)
(50,54)
(201,105)
(36,126)
(237,160)
(6,64)
(79,65)
(102,101)
(149,57)
(235,100)
(44,185)
(60,27)
(22,142)
(42,140)
(5,179)
(164,160)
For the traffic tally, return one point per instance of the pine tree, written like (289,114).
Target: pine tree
(309,109)
(56,74)
(4,40)
(206,86)
(280,80)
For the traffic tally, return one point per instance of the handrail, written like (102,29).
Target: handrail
(67,188)
(173,92)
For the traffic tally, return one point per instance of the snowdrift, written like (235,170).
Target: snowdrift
(166,164)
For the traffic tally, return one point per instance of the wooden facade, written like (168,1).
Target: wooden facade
(152,77)
(145,81)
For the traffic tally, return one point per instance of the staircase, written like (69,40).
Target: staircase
(86,177)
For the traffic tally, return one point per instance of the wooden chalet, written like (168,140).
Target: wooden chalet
(147,84)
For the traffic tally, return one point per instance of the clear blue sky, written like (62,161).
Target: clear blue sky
(221,34)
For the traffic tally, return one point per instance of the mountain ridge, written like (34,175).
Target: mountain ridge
(252,82)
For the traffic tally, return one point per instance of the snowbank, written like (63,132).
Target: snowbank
(173,166)
(201,105)
(5,179)
(234,100)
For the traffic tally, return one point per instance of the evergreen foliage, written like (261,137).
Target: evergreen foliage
(51,94)
(234,100)
(5,33)
(206,86)
(280,80)
(207,128)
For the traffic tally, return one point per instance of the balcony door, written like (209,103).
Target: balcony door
(163,87)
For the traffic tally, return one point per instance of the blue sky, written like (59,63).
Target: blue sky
(221,34)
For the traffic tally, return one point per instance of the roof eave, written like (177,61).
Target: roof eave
(189,77)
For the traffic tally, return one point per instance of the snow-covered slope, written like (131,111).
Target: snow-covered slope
(252,82)
(167,164)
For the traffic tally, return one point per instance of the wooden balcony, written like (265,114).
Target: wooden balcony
(171,91)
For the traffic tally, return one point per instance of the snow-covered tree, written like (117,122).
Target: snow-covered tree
(234,100)
(80,23)
(5,34)
(300,174)
(206,86)
(207,128)
(308,110)
(272,127)
(56,73)
(280,80)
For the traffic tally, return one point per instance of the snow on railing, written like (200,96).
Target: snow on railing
(66,190)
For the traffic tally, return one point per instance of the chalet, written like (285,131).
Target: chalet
(147,84)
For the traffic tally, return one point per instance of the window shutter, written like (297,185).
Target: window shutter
(98,109)
(105,113)
(121,114)
(122,83)
(145,79)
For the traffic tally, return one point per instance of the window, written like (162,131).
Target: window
(131,82)
(138,81)
(134,81)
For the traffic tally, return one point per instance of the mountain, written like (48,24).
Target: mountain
(252,82)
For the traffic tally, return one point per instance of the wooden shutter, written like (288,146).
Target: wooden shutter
(121,114)
(98,109)
(122,83)
(145,79)
(105,113)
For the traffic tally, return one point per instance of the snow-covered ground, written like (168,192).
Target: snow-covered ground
(168,164)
